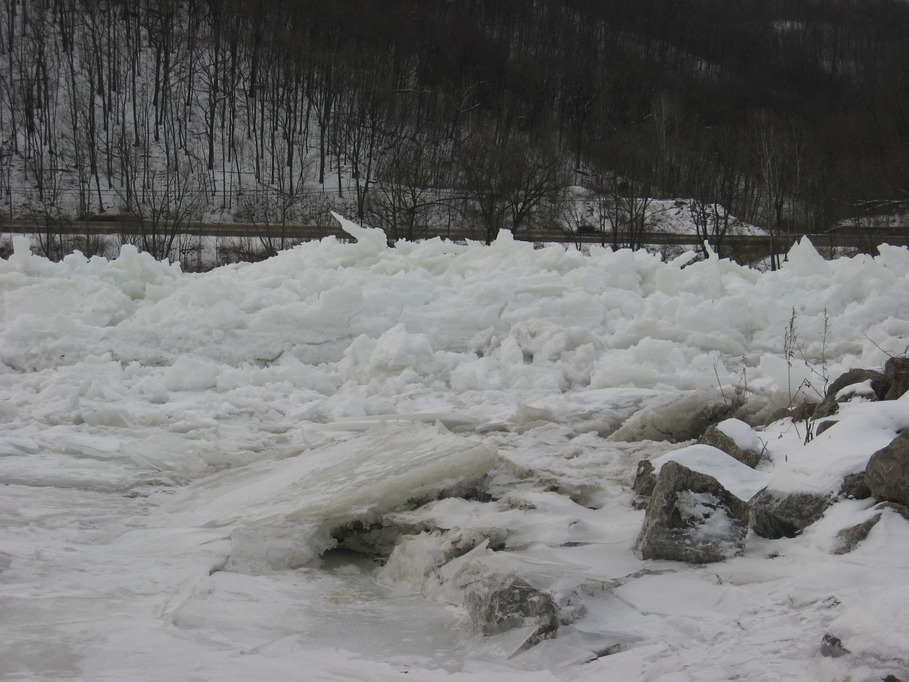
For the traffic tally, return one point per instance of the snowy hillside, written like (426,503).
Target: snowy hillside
(353,462)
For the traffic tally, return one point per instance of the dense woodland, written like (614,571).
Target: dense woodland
(791,114)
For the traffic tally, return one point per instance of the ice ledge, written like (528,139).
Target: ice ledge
(372,237)
(280,514)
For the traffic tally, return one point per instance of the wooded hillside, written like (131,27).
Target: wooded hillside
(789,113)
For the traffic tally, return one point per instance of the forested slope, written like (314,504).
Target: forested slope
(788,113)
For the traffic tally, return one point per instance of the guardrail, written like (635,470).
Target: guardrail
(855,238)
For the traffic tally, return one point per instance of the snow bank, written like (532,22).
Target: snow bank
(843,449)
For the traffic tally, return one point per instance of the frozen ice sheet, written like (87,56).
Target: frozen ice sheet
(281,513)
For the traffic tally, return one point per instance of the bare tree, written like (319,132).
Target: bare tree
(509,183)
(272,208)
(623,209)
(534,179)
(716,186)
(406,191)
(712,222)
(44,209)
(779,152)
(167,202)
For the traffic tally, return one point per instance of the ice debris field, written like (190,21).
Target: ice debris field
(357,462)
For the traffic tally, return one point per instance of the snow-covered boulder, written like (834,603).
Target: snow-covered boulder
(850,538)
(867,382)
(691,517)
(806,479)
(776,514)
(736,439)
(887,473)
(739,479)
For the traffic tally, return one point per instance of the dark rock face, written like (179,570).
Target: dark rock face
(832,646)
(897,370)
(498,604)
(880,383)
(692,518)
(713,436)
(823,426)
(854,487)
(644,479)
(887,473)
(778,515)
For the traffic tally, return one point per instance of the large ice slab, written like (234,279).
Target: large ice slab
(281,514)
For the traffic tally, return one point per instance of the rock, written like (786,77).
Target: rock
(699,457)
(483,582)
(900,509)
(824,425)
(777,515)
(849,538)
(645,478)
(501,603)
(799,413)
(887,473)
(854,487)
(880,384)
(715,436)
(804,412)
(692,518)
(897,370)
(739,479)
(832,647)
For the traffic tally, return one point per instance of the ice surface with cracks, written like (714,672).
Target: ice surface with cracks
(157,423)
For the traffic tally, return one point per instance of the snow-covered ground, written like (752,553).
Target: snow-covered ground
(588,209)
(180,453)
